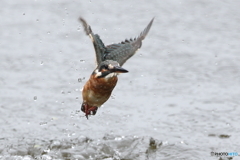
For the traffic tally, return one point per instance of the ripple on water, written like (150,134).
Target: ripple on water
(109,147)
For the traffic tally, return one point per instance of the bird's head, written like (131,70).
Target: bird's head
(108,68)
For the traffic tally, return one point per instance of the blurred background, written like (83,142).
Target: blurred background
(180,99)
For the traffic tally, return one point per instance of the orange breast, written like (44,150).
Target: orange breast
(98,90)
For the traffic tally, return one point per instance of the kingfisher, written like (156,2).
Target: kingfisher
(109,59)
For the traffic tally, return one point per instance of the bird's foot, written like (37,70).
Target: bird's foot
(89,110)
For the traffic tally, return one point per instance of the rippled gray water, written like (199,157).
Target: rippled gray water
(180,99)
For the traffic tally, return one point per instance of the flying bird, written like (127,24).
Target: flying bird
(110,59)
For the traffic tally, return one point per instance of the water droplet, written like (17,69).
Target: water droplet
(66,35)
(79,80)
(48,32)
(69,92)
(42,123)
(77,112)
(41,63)
(113,96)
(62,103)
(111,132)
(216,63)
(82,61)
(35,98)
(78,29)
(140,55)
(62,92)
(46,151)
(37,20)
(76,98)
(118,139)
(135,136)
(24,14)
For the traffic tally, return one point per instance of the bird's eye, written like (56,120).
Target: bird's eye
(106,67)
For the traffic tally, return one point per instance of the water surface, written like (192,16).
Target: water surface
(180,99)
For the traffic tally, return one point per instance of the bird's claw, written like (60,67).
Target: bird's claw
(89,110)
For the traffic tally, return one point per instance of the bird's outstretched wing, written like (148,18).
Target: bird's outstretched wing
(97,42)
(121,52)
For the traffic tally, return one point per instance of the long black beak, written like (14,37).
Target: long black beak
(118,69)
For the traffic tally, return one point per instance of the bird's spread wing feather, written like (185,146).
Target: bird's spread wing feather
(121,52)
(97,42)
